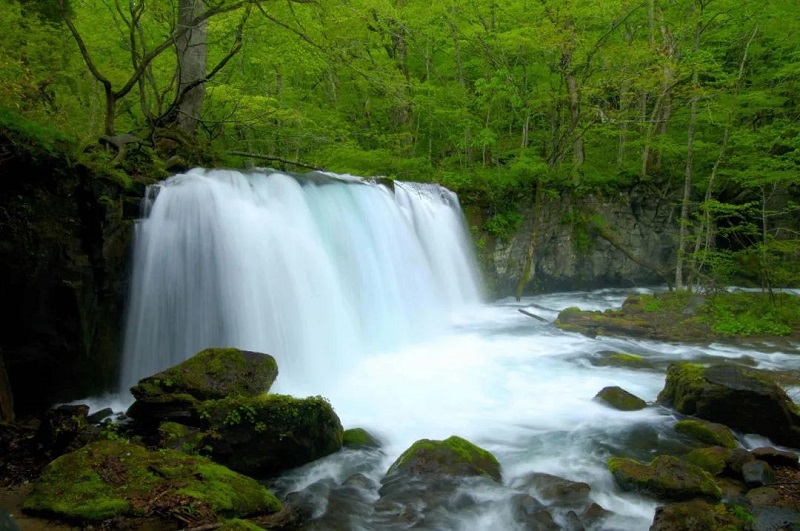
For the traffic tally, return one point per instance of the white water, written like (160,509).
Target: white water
(369,299)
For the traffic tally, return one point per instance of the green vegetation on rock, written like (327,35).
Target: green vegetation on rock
(110,478)
(707,432)
(712,459)
(453,456)
(666,478)
(359,438)
(620,399)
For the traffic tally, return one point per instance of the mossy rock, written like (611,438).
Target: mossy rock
(665,478)
(212,374)
(621,359)
(359,438)
(713,459)
(179,437)
(107,479)
(592,323)
(268,434)
(620,399)
(237,524)
(453,456)
(707,432)
(741,398)
(695,515)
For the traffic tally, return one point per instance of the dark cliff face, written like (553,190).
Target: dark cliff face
(64,237)
(586,243)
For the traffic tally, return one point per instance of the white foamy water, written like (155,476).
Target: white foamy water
(371,298)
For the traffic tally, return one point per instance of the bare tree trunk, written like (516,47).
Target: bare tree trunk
(6,398)
(192,52)
(687,181)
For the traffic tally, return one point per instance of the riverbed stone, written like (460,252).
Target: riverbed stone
(212,374)
(359,438)
(554,489)
(741,398)
(453,456)
(758,474)
(267,434)
(666,478)
(619,398)
(694,515)
(713,459)
(108,479)
(707,432)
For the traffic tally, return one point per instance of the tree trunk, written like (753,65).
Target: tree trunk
(192,52)
(6,398)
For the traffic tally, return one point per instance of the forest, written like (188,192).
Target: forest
(697,101)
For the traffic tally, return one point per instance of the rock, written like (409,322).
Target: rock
(359,438)
(176,436)
(555,489)
(776,457)
(452,457)
(65,429)
(666,478)
(713,459)
(268,434)
(7,522)
(237,524)
(532,514)
(740,398)
(620,399)
(215,373)
(99,416)
(594,514)
(707,432)
(621,359)
(107,479)
(695,515)
(763,496)
(758,474)
(599,323)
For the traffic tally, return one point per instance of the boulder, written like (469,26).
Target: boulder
(666,478)
(713,459)
(758,474)
(695,515)
(212,374)
(531,514)
(359,438)
(268,434)
(622,359)
(609,323)
(452,457)
(707,432)
(108,479)
(743,399)
(619,398)
(776,457)
(555,489)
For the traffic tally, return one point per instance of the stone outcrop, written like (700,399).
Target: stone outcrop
(665,478)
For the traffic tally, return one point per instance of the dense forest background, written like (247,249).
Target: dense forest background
(505,102)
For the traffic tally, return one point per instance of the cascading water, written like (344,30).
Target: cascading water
(315,274)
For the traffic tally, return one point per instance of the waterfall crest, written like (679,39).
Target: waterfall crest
(315,271)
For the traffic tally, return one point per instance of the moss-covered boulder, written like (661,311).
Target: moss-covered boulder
(268,434)
(610,323)
(619,398)
(713,459)
(665,478)
(212,374)
(743,399)
(707,432)
(623,360)
(453,456)
(359,438)
(695,515)
(108,479)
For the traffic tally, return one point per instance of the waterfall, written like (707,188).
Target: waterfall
(317,271)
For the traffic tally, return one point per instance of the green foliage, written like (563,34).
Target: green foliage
(750,314)
(503,225)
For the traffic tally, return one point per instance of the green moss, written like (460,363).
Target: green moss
(211,374)
(682,385)
(666,477)
(620,399)
(452,456)
(359,438)
(707,432)
(239,525)
(110,478)
(712,459)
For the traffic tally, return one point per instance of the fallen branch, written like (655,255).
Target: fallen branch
(529,314)
(276,159)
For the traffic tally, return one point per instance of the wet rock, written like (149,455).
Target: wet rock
(215,373)
(65,429)
(530,513)
(740,398)
(179,437)
(7,522)
(555,489)
(99,416)
(763,496)
(593,323)
(620,399)
(571,522)
(108,479)
(267,434)
(621,359)
(707,432)
(713,459)
(666,477)
(594,514)
(452,457)
(758,474)
(360,438)
(776,457)
(770,518)
(695,515)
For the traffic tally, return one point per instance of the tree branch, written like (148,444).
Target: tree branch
(276,159)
